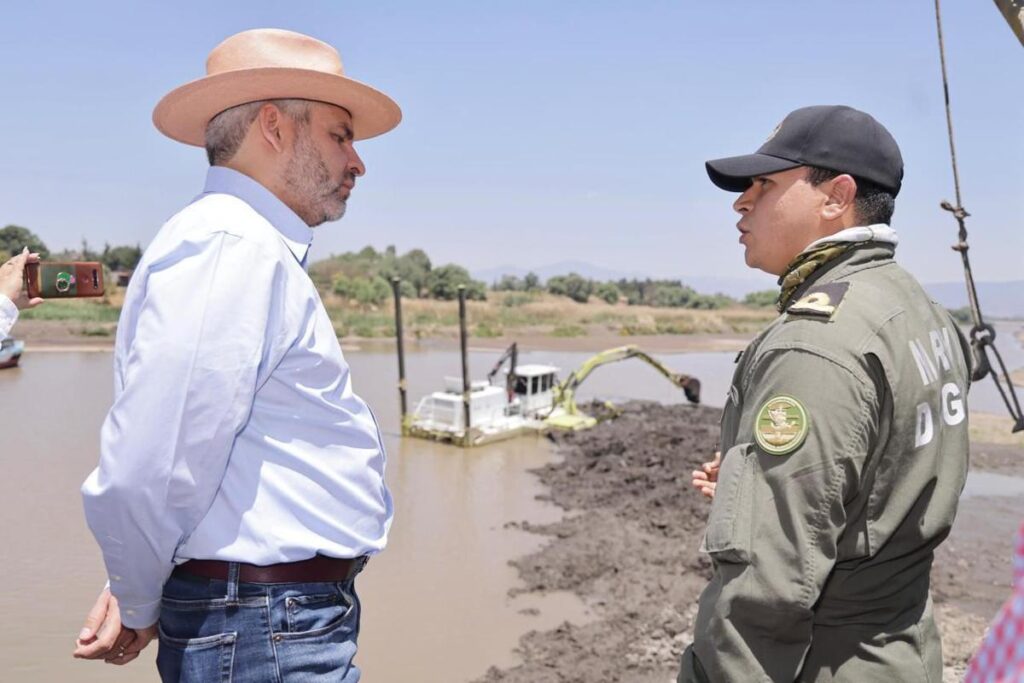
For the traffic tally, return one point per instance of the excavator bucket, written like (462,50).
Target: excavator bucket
(691,387)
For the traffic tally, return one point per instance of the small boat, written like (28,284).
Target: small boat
(10,352)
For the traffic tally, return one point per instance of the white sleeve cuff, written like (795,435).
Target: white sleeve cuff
(8,315)
(140,616)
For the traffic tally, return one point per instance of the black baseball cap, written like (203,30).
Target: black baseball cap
(835,137)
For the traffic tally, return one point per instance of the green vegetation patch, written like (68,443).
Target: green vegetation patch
(568,331)
(74,310)
(487,330)
(356,323)
(96,331)
(637,330)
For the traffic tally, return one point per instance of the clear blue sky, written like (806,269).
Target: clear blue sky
(534,131)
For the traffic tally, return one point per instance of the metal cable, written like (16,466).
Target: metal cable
(983,335)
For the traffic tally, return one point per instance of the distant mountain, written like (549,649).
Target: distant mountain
(997,299)
(736,287)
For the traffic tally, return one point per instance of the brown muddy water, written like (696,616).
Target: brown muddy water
(436,603)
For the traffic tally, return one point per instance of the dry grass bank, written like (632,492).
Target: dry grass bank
(542,315)
(505,315)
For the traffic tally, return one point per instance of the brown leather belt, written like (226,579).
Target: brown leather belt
(318,569)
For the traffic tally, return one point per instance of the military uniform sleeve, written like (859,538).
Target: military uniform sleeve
(807,425)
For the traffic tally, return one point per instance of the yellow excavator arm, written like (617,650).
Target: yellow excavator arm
(566,415)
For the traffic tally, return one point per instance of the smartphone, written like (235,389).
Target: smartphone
(52,280)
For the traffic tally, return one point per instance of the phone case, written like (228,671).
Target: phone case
(52,280)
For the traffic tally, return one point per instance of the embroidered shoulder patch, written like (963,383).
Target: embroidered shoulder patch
(781,425)
(820,301)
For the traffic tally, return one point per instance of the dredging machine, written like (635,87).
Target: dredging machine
(523,399)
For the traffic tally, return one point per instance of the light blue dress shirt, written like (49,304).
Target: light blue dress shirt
(8,315)
(235,433)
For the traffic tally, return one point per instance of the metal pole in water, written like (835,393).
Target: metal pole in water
(397,290)
(464,342)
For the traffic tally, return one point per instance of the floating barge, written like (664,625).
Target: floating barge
(530,400)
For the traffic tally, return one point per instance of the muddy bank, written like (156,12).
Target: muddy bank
(629,548)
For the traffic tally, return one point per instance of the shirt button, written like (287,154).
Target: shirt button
(115,577)
(129,611)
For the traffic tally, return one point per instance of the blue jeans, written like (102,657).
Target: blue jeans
(228,631)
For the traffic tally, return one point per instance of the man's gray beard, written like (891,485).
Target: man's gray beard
(309,180)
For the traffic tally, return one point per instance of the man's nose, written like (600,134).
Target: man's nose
(355,164)
(744,201)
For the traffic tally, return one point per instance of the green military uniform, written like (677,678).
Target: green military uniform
(845,451)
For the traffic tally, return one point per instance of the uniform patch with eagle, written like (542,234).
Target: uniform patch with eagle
(781,425)
(820,302)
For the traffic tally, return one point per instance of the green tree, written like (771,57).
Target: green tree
(14,238)
(711,301)
(607,292)
(443,283)
(344,287)
(573,285)
(364,291)
(121,258)
(414,267)
(508,283)
(531,283)
(672,295)
(373,292)
(761,299)
(557,286)
(407,290)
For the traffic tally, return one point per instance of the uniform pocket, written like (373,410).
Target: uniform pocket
(728,534)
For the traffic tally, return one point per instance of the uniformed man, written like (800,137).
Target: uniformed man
(845,431)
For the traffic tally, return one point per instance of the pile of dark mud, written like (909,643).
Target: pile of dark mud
(629,547)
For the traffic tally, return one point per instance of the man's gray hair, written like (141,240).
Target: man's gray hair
(226,130)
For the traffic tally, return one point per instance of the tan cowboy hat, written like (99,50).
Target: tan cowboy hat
(266,64)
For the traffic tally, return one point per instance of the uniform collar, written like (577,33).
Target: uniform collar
(293,230)
(877,232)
(825,259)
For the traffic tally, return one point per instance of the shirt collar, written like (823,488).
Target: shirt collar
(293,230)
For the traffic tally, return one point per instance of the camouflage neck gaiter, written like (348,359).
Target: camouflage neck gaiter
(804,265)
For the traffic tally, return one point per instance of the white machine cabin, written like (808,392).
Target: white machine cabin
(533,385)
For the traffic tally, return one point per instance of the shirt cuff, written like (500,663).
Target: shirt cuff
(140,616)
(8,315)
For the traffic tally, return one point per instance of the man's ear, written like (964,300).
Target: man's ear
(842,190)
(269,122)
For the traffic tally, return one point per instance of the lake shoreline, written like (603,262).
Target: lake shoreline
(52,336)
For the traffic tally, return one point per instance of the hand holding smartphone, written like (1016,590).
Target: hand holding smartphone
(64,280)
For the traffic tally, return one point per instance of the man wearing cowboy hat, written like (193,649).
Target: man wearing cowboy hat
(240,488)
